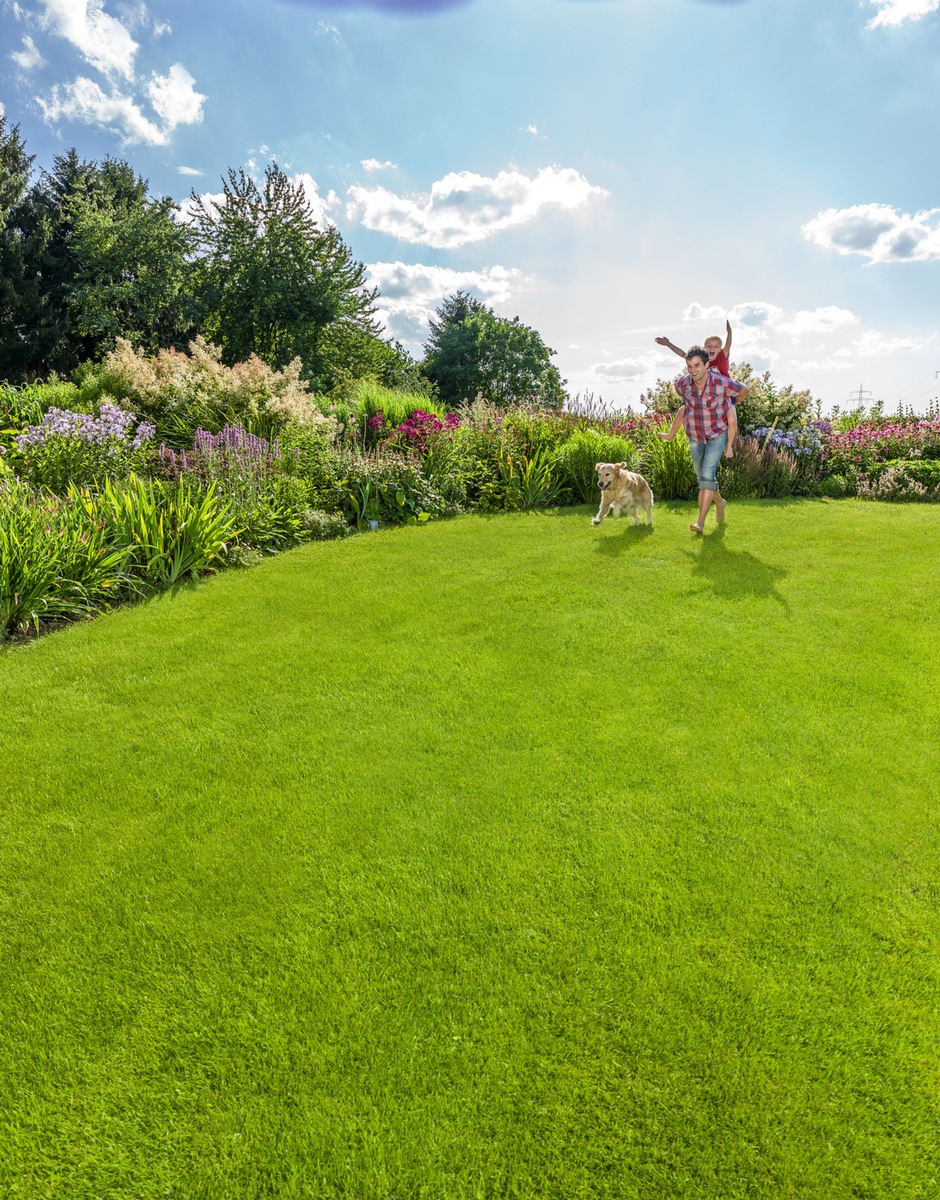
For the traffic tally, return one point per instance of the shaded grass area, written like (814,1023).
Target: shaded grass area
(501,857)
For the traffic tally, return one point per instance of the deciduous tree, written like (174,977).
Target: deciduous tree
(273,282)
(471,351)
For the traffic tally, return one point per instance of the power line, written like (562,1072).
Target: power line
(860,397)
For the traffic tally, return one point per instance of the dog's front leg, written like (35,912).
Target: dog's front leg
(602,511)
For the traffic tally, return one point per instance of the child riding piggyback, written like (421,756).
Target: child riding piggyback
(718,354)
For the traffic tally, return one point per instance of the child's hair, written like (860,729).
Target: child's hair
(714,338)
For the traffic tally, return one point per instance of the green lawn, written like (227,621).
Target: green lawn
(500,857)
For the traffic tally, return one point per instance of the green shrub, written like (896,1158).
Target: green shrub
(165,532)
(390,489)
(308,453)
(320,526)
(387,408)
(836,487)
(531,481)
(925,471)
(757,470)
(55,562)
(667,466)
(580,455)
(894,484)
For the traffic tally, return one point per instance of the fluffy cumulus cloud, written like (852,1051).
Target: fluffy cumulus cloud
(107,44)
(174,97)
(641,369)
(464,207)
(877,232)
(29,58)
(104,42)
(878,345)
(85,101)
(322,207)
(373,164)
(749,313)
(817,320)
(409,294)
(896,12)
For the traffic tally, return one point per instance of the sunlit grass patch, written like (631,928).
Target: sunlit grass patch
(496,857)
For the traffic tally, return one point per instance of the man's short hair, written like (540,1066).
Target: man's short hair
(697,352)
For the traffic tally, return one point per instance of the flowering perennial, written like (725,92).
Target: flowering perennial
(111,429)
(420,425)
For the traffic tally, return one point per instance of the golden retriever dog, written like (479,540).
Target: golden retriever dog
(623,489)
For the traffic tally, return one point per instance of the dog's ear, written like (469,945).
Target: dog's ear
(623,466)
(597,466)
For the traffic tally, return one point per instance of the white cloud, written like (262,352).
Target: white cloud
(877,232)
(29,57)
(327,29)
(464,207)
(410,293)
(320,205)
(103,41)
(373,164)
(212,202)
(162,27)
(818,320)
(533,129)
(895,12)
(643,368)
(84,101)
(754,312)
(189,171)
(174,98)
(877,344)
(696,312)
(750,312)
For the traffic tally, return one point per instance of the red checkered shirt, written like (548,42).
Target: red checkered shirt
(706,414)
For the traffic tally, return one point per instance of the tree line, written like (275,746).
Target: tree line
(87,255)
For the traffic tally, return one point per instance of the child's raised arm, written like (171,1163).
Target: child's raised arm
(664,341)
(728,341)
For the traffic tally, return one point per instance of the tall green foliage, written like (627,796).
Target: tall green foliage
(89,257)
(55,563)
(274,283)
(471,352)
(668,465)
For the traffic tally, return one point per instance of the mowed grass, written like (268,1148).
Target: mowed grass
(499,857)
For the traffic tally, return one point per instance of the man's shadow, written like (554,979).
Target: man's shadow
(734,574)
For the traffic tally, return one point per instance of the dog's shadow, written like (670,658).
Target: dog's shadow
(735,574)
(632,536)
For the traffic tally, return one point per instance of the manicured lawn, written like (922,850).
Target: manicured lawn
(499,857)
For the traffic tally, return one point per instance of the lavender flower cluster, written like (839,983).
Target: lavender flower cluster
(233,447)
(807,440)
(235,441)
(111,427)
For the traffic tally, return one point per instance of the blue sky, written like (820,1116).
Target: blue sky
(605,169)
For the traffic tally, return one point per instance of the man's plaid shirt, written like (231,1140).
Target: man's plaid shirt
(706,415)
